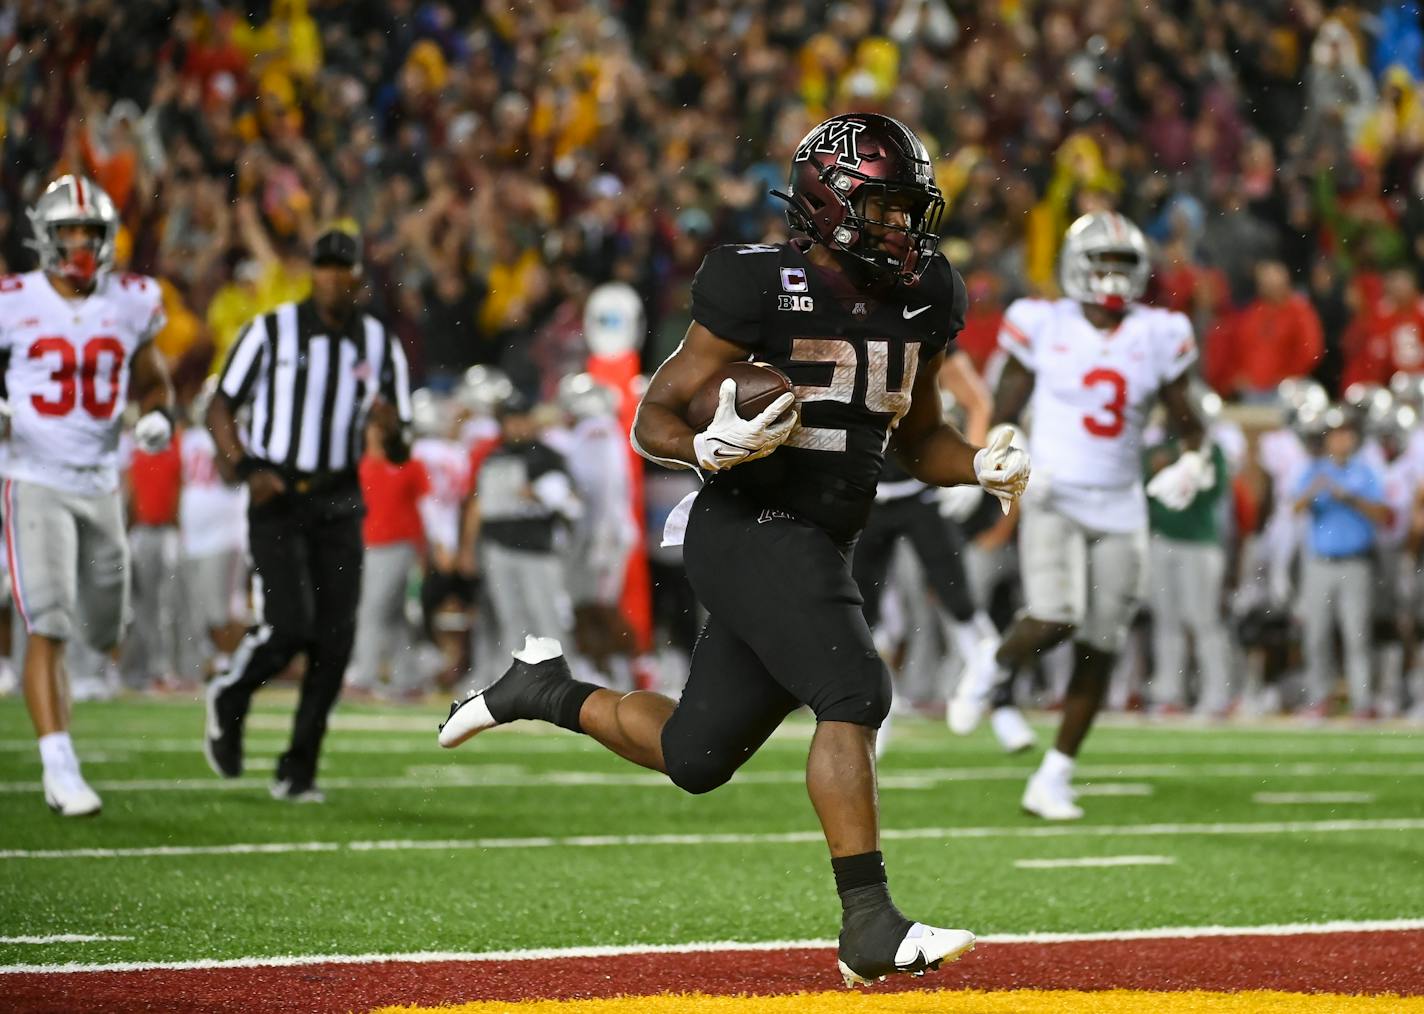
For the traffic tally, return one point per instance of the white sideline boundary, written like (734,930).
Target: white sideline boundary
(463,776)
(776,838)
(545,954)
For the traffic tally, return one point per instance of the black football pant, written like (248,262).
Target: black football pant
(785,628)
(937,541)
(307,551)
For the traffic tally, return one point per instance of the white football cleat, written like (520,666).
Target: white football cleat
(971,697)
(924,949)
(69,795)
(1050,799)
(1012,730)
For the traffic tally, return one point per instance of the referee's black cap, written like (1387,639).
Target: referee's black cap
(337,246)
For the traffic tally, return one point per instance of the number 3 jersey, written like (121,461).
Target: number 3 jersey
(852,359)
(68,374)
(1092,392)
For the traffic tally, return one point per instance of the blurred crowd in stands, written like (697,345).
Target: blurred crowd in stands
(502,160)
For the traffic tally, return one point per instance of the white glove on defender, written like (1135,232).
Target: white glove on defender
(1177,485)
(1000,467)
(152,432)
(729,439)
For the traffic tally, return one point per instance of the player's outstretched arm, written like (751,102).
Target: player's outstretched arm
(931,449)
(660,430)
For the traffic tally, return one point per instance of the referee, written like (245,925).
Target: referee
(309,376)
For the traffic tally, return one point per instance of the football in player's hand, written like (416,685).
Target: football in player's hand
(758,385)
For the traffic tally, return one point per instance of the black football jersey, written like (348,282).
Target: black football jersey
(852,360)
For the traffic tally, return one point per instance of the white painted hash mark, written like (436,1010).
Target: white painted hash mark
(1289,798)
(1092,861)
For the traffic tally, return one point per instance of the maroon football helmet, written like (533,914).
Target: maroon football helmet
(839,166)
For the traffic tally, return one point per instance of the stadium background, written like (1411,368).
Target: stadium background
(500,162)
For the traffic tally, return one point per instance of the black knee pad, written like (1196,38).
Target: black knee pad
(860,696)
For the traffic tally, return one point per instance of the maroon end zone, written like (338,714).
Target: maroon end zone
(1356,963)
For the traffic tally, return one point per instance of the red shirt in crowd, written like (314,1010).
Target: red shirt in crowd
(1263,344)
(1382,340)
(156,480)
(392,495)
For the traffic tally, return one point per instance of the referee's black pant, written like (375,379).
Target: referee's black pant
(936,540)
(306,548)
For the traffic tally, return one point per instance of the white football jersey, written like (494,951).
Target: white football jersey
(448,465)
(1092,393)
(212,516)
(68,375)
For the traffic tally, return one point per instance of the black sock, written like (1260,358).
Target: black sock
(544,691)
(871,926)
(864,870)
(570,703)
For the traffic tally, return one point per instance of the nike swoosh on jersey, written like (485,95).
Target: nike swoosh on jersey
(907,313)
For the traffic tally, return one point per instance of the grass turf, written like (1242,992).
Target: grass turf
(387,781)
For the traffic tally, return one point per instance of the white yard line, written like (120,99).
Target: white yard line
(62,938)
(466,775)
(545,954)
(1292,798)
(775,838)
(1088,862)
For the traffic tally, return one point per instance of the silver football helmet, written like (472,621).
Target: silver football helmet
(1206,401)
(1298,396)
(1104,261)
(74,200)
(430,413)
(583,397)
(1408,388)
(1369,402)
(483,389)
(1394,425)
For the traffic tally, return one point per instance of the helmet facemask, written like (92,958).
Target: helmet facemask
(894,229)
(78,250)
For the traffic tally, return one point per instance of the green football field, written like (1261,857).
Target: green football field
(534,838)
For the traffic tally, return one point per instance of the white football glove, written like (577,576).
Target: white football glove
(1177,485)
(1001,468)
(152,432)
(729,439)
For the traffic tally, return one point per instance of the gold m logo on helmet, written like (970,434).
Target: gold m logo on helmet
(838,139)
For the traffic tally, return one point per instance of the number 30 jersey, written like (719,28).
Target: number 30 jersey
(852,360)
(68,374)
(1092,392)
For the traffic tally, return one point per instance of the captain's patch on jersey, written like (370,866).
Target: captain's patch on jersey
(793,280)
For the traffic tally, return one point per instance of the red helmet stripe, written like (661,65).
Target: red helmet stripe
(79,191)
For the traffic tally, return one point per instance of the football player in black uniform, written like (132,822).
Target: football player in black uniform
(858,315)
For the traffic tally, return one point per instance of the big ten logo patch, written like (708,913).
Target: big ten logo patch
(804,304)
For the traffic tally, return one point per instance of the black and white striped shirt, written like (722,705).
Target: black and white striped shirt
(310,389)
